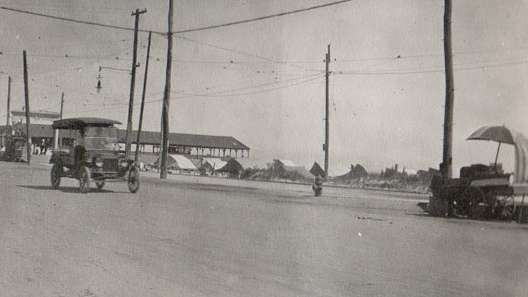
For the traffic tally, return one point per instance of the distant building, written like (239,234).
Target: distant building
(355,173)
(190,144)
(179,143)
(288,170)
(316,170)
(232,168)
(391,172)
(35,117)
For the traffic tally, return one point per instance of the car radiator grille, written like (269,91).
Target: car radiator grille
(110,164)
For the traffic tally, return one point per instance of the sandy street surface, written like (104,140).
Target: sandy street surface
(191,236)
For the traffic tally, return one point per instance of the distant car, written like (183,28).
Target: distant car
(13,150)
(94,155)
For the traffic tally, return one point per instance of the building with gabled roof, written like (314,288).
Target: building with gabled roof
(179,143)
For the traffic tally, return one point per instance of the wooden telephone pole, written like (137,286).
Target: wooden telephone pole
(8,111)
(137,13)
(143,98)
(166,100)
(447,158)
(327,112)
(57,131)
(26,96)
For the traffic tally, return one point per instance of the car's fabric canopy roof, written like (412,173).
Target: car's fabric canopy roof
(78,123)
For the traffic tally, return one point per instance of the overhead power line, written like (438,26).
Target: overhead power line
(178,31)
(77,21)
(432,70)
(187,96)
(262,17)
(244,53)
(225,92)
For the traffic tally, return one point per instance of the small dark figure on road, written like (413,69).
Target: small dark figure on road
(317,185)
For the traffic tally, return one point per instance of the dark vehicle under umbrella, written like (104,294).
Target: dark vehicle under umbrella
(484,191)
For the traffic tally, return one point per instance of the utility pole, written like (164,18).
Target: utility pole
(8,112)
(327,112)
(26,95)
(143,98)
(62,105)
(166,100)
(447,158)
(57,139)
(137,13)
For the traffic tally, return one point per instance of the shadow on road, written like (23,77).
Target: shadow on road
(62,189)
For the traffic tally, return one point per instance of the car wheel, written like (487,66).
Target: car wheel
(477,203)
(437,207)
(55,175)
(100,184)
(84,179)
(133,179)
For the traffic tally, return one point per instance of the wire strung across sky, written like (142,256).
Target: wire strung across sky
(65,19)
(262,17)
(226,93)
(244,21)
(240,52)
(435,70)
(233,92)
(188,96)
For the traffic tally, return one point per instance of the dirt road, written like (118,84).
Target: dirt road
(192,236)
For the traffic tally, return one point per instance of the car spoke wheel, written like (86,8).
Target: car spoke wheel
(477,203)
(55,175)
(133,179)
(100,184)
(438,203)
(84,179)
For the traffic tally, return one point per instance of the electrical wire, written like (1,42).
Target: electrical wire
(242,22)
(245,21)
(220,93)
(177,31)
(243,53)
(121,105)
(65,19)
(187,95)
(217,93)
(438,70)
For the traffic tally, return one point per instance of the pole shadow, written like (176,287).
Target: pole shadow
(64,189)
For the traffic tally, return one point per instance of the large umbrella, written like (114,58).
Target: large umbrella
(499,134)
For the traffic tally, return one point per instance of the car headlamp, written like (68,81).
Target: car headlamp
(98,162)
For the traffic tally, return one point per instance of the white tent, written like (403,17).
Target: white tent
(215,163)
(287,163)
(178,162)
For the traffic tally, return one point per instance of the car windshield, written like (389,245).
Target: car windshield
(100,138)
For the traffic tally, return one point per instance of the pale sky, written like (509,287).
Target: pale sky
(387,90)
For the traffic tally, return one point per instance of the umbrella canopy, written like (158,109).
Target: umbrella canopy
(499,134)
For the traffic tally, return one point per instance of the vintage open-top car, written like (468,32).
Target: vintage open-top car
(91,154)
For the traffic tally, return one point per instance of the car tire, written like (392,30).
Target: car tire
(84,179)
(100,184)
(437,206)
(133,179)
(477,203)
(55,175)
